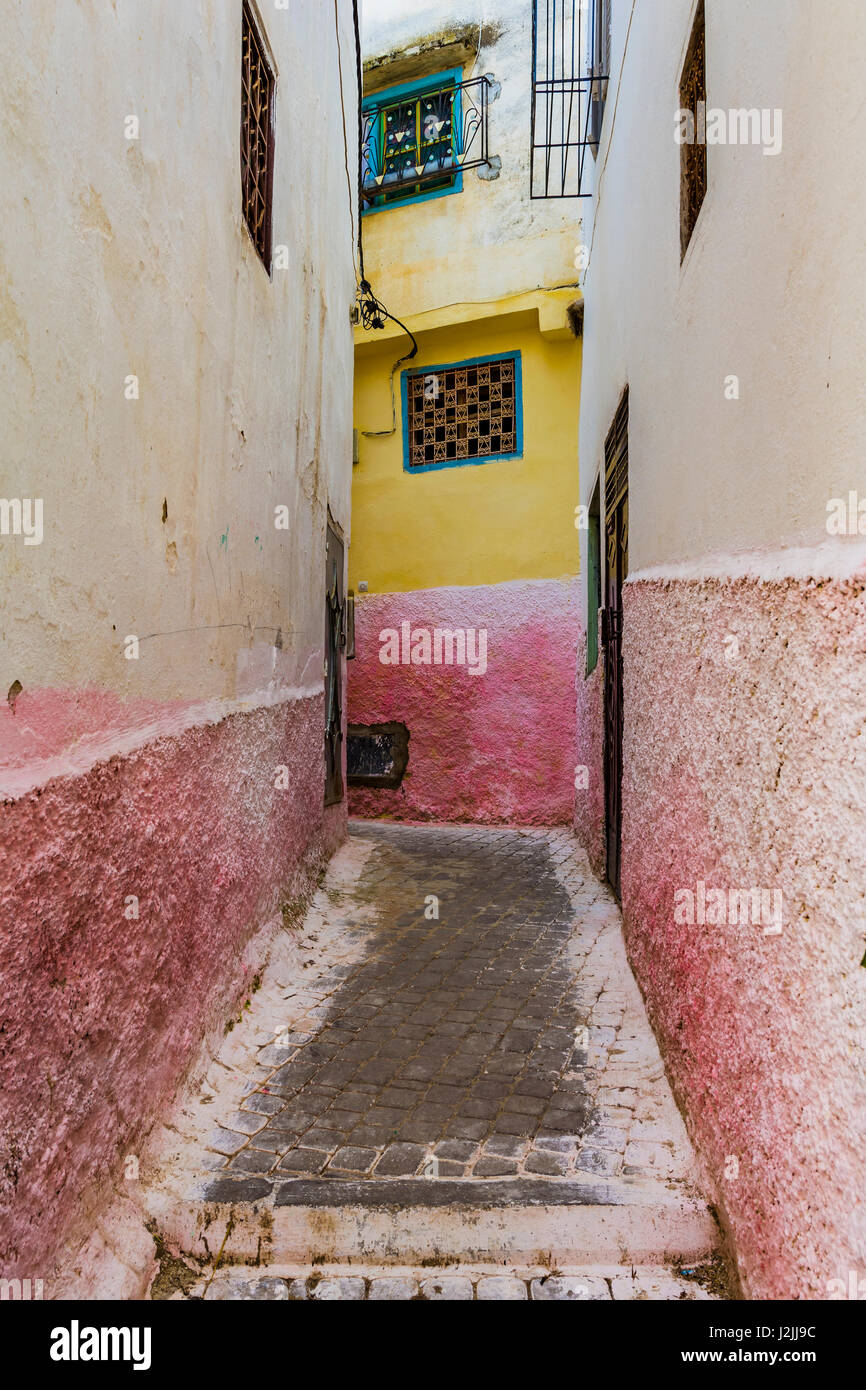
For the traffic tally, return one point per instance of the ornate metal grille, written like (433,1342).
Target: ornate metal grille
(415,144)
(616,545)
(257,137)
(693,156)
(466,412)
(616,459)
(570,62)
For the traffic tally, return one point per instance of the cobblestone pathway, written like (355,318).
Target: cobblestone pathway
(447,1062)
(489,1041)
(461,1047)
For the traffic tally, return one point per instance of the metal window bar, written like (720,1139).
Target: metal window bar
(412,144)
(257,137)
(570,58)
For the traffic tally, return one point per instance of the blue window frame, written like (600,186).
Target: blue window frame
(411,142)
(460,413)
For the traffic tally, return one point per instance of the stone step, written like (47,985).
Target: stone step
(600,1221)
(454,1283)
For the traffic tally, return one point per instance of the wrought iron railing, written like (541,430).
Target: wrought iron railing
(416,143)
(570,69)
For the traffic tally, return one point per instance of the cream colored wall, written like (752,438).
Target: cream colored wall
(772,288)
(123,257)
(490,239)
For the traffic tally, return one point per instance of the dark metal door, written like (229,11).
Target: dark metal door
(335,641)
(616,568)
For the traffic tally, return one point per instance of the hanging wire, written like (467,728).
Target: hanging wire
(371,311)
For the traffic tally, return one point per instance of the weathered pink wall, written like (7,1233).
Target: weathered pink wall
(743,772)
(101,1015)
(497,747)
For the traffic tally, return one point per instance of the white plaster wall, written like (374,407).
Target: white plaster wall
(773,287)
(131,257)
(489,240)
(743,767)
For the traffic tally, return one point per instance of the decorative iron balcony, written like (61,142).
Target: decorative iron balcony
(570,69)
(416,143)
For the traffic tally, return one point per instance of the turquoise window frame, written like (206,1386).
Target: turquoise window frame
(419,88)
(516,453)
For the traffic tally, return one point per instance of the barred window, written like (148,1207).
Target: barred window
(257,136)
(469,412)
(693,155)
(408,144)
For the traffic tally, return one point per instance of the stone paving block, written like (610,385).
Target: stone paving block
(228,1188)
(457,1150)
(320,1138)
(550,1164)
(271,1141)
(338,1290)
(241,1288)
(505,1146)
(392,1290)
(263,1103)
(293,1119)
(304,1161)
(226,1141)
(353,1159)
(608,1137)
(493,1167)
(448,1289)
(527,1105)
(598,1161)
(274,1056)
(555,1142)
(212,1162)
(518,1126)
(400,1160)
(500,1290)
(252,1161)
(557,1288)
(372,1136)
(245,1123)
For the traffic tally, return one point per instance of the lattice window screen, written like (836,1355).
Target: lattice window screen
(257,137)
(464,412)
(693,157)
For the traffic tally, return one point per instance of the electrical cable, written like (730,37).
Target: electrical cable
(360,75)
(372,312)
(373,315)
(346,137)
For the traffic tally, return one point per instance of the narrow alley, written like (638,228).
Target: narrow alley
(432,671)
(455,1006)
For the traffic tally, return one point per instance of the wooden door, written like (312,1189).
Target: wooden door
(334,643)
(616,569)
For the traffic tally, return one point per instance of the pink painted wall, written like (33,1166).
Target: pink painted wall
(743,772)
(497,747)
(101,1015)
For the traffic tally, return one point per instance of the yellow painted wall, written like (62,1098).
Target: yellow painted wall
(476,523)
